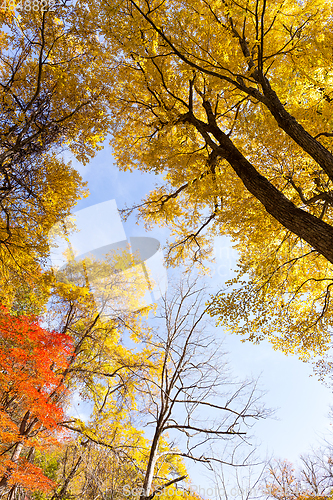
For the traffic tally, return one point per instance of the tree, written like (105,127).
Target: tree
(52,99)
(163,381)
(312,480)
(98,365)
(190,400)
(89,471)
(31,398)
(309,479)
(230,102)
(104,371)
(87,302)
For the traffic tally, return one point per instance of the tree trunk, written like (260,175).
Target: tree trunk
(317,233)
(145,495)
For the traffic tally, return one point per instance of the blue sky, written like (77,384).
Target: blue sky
(302,402)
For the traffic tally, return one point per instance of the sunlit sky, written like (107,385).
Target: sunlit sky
(302,403)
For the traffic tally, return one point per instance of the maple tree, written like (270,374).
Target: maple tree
(230,103)
(32,360)
(103,370)
(98,366)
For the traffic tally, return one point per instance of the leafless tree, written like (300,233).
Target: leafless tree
(313,478)
(192,394)
(241,484)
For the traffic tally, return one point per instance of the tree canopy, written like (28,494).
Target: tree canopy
(230,104)
(31,396)
(52,100)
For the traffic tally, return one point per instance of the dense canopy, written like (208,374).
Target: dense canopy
(230,103)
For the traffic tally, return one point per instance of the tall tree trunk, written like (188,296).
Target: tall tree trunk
(317,233)
(149,476)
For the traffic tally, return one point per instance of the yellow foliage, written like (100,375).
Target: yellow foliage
(53,97)
(230,103)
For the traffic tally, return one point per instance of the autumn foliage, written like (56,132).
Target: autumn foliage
(229,103)
(31,391)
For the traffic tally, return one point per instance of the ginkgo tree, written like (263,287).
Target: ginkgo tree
(53,99)
(229,102)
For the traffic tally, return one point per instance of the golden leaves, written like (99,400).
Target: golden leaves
(213,53)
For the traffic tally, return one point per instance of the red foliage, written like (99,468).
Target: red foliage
(32,360)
